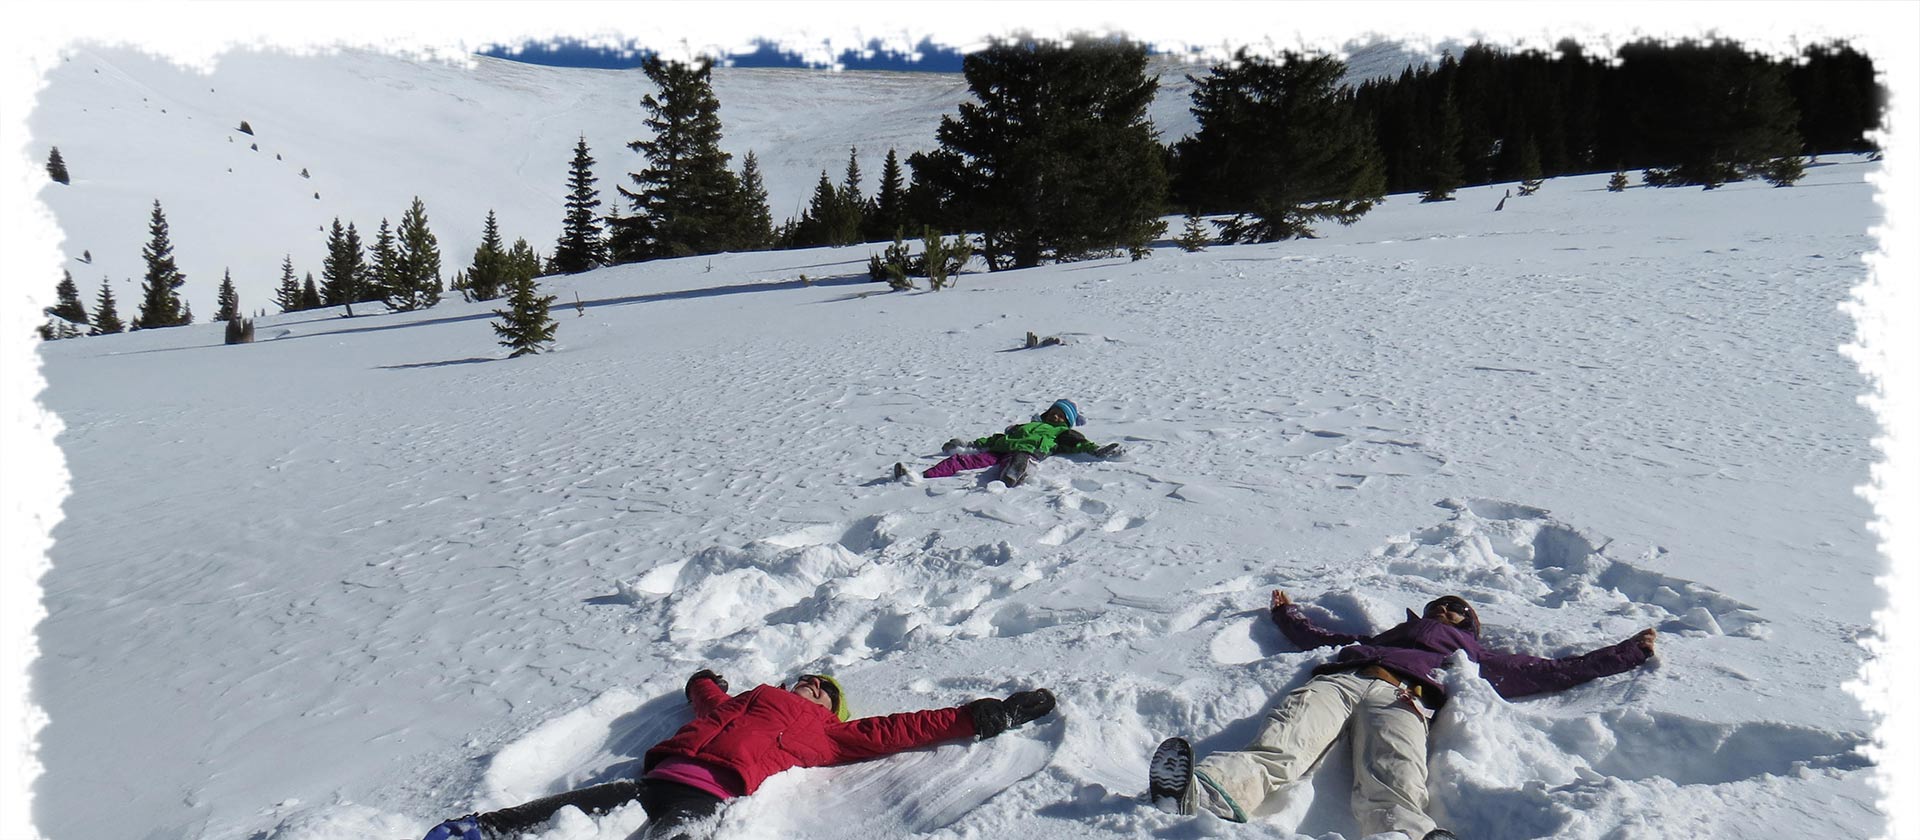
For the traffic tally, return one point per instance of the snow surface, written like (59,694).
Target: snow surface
(367,573)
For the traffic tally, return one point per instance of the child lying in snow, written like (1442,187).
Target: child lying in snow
(736,741)
(1015,449)
(1378,689)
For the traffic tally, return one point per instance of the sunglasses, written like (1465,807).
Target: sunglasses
(821,685)
(1459,608)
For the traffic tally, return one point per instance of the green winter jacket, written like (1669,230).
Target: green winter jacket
(1039,437)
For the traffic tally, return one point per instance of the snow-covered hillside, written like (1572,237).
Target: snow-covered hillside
(355,135)
(367,573)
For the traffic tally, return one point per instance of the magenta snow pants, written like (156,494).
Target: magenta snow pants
(963,462)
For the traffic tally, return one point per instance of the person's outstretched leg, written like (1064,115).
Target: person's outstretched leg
(1296,734)
(593,800)
(1390,763)
(962,462)
(1014,469)
(675,811)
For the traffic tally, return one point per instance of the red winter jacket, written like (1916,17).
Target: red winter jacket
(769,729)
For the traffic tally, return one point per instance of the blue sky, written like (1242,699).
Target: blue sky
(574,54)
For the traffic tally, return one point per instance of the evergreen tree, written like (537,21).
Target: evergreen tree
(287,297)
(1281,146)
(1530,175)
(106,314)
(383,267)
(816,225)
(686,200)
(525,325)
(1441,147)
(1617,183)
(757,218)
(160,298)
(888,214)
(310,294)
(228,298)
(1194,237)
(56,167)
(850,207)
(1838,98)
(343,268)
(1056,159)
(1722,113)
(520,261)
(581,247)
(67,303)
(487,277)
(416,282)
(1783,171)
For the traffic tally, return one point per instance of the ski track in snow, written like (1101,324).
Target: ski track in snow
(416,580)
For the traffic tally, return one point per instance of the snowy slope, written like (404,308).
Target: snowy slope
(367,573)
(498,135)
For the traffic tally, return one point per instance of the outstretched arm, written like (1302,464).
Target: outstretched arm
(872,737)
(1302,632)
(1518,675)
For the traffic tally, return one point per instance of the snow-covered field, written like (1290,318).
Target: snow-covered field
(367,573)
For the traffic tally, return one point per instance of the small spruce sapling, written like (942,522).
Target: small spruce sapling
(525,325)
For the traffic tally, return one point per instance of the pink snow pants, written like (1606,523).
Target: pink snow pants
(964,461)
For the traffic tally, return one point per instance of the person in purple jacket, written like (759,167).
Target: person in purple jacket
(1381,689)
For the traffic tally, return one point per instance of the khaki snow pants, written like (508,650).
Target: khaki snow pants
(1389,732)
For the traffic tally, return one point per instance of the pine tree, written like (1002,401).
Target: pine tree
(1529,166)
(1057,159)
(1441,146)
(106,315)
(1281,146)
(521,261)
(416,282)
(850,207)
(67,303)
(686,200)
(581,247)
(1194,237)
(310,294)
(343,268)
(888,215)
(383,266)
(487,278)
(756,218)
(160,299)
(816,224)
(56,167)
(1783,171)
(1617,183)
(287,297)
(228,298)
(1721,115)
(525,325)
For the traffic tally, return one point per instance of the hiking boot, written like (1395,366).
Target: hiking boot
(1014,471)
(1170,777)
(899,471)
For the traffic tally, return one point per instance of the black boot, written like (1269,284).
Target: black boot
(1014,471)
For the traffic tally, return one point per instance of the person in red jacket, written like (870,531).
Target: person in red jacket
(736,741)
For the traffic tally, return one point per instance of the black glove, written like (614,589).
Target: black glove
(704,674)
(1111,450)
(992,717)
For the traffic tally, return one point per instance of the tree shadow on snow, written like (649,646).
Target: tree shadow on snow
(471,360)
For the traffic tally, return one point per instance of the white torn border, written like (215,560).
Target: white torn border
(33,477)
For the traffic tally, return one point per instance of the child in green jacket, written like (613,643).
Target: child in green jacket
(1015,449)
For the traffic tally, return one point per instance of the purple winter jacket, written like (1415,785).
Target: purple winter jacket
(1419,646)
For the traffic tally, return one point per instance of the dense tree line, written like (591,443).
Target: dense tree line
(1685,113)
